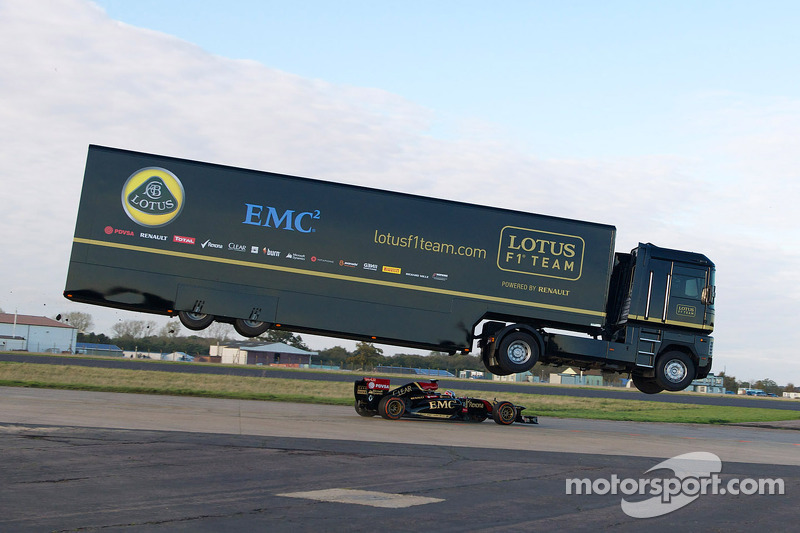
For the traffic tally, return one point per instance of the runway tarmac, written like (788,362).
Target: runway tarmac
(83,461)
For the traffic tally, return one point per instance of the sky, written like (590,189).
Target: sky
(676,122)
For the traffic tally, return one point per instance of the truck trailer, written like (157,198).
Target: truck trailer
(261,251)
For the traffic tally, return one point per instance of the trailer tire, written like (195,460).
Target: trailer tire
(518,352)
(646,385)
(391,407)
(674,371)
(195,321)
(250,328)
(504,413)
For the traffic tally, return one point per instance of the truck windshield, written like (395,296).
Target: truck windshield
(684,286)
(693,284)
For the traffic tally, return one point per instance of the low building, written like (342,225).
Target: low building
(138,354)
(88,348)
(177,356)
(36,334)
(434,372)
(710,384)
(593,378)
(254,353)
(521,377)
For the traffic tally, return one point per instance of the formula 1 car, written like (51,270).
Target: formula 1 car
(420,399)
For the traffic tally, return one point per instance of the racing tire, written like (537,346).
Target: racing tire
(391,407)
(518,352)
(363,411)
(646,385)
(674,371)
(504,413)
(195,321)
(250,328)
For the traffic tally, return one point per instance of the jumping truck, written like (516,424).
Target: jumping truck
(261,251)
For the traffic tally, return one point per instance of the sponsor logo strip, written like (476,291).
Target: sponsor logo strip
(343,277)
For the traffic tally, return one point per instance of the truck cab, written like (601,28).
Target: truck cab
(666,315)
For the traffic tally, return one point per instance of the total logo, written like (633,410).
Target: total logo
(183,240)
(153,197)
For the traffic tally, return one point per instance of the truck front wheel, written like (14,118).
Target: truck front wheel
(195,321)
(674,371)
(646,385)
(518,352)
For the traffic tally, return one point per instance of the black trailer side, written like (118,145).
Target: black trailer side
(164,235)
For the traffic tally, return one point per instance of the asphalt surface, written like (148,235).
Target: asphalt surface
(478,385)
(87,461)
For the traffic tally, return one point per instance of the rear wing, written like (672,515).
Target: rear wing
(367,389)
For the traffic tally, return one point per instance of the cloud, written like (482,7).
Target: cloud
(75,77)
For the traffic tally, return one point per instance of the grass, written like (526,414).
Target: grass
(341,393)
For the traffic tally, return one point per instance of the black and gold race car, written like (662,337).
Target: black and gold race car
(421,399)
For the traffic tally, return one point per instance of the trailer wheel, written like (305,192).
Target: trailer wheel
(363,411)
(250,328)
(646,385)
(504,413)
(518,352)
(195,321)
(674,371)
(391,407)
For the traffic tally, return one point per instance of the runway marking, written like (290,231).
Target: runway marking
(363,497)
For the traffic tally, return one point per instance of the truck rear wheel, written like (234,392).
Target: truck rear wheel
(494,369)
(518,352)
(195,321)
(646,385)
(391,407)
(674,371)
(250,328)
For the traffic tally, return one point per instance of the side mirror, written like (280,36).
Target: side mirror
(709,293)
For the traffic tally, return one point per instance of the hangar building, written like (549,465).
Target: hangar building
(36,334)
(254,353)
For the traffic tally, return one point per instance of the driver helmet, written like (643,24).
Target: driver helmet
(450,393)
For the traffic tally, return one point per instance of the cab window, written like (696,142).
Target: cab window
(684,286)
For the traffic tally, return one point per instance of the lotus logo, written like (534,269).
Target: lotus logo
(153,197)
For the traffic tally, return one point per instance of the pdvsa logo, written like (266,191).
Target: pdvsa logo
(153,197)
